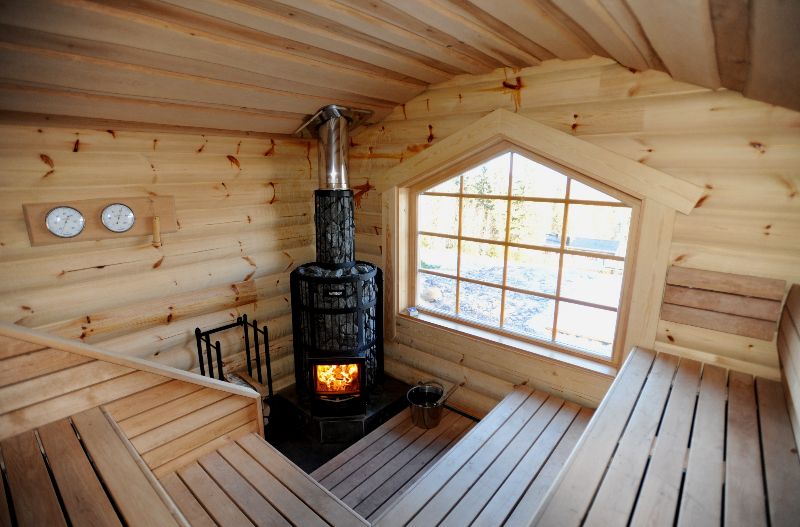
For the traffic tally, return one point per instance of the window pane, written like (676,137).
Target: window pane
(586,327)
(529,315)
(484,218)
(578,190)
(534,180)
(536,223)
(436,292)
(451,186)
(598,229)
(438,254)
(490,178)
(480,303)
(595,280)
(532,270)
(482,261)
(438,214)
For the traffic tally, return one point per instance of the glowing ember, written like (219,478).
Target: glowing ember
(337,378)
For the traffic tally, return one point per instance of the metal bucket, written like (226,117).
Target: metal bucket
(427,400)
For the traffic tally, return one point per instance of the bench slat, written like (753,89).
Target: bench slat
(658,498)
(270,488)
(572,493)
(506,496)
(536,492)
(781,463)
(84,499)
(213,498)
(404,509)
(701,501)
(472,466)
(378,501)
(35,501)
(495,475)
(194,513)
(617,493)
(312,493)
(367,484)
(744,485)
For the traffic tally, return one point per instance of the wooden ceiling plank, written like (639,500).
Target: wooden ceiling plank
(390,33)
(594,18)
(374,8)
(315,35)
(34,65)
(448,19)
(530,19)
(730,20)
(192,17)
(45,101)
(573,27)
(92,21)
(173,63)
(514,36)
(774,74)
(622,14)
(681,32)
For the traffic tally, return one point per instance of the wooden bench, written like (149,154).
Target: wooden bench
(247,482)
(92,479)
(678,442)
(500,468)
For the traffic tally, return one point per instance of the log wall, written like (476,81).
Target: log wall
(244,209)
(744,153)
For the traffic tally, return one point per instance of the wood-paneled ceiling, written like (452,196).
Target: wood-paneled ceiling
(262,65)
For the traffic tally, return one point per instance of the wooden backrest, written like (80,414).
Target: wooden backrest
(789,353)
(742,305)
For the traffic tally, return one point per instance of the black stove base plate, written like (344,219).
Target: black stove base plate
(310,440)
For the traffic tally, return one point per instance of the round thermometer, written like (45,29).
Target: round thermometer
(65,222)
(118,217)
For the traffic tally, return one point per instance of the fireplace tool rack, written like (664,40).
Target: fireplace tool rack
(260,337)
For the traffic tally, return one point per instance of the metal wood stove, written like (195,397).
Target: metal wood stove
(337,302)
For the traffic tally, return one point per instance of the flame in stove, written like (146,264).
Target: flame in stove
(337,378)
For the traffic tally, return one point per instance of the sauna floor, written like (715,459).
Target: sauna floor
(371,473)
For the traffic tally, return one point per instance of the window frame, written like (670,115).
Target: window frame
(477,159)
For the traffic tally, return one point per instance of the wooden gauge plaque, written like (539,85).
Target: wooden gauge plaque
(144,209)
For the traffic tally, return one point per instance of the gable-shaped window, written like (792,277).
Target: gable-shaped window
(524,247)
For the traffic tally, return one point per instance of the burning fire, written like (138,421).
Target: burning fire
(337,378)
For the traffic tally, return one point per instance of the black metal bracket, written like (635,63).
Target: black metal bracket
(203,339)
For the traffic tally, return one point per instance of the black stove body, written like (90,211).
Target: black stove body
(337,302)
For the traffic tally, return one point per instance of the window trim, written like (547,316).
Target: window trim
(477,159)
(662,195)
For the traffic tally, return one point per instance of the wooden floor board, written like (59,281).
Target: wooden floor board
(221,508)
(194,512)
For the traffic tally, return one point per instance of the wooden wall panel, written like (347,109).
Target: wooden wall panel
(744,153)
(244,212)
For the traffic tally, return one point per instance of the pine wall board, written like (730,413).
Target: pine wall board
(245,215)
(746,154)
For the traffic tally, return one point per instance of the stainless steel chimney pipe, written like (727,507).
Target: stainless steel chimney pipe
(334,142)
(331,126)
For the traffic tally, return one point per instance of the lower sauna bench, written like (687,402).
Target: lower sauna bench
(500,468)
